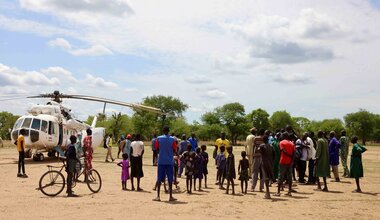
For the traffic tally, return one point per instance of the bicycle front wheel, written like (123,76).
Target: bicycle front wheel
(94,181)
(52,183)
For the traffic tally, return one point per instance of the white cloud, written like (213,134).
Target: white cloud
(298,78)
(28,26)
(59,72)
(215,94)
(109,7)
(95,50)
(99,82)
(131,90)
(10,76)
(197,79)
(277,39)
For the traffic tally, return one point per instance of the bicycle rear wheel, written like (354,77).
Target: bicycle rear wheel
(94,181)
(52,183)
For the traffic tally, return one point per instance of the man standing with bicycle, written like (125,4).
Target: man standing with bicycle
(71,160)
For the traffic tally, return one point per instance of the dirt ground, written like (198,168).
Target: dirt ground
(19,198)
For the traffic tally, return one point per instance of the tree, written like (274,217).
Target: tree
(361,123)
(280,119)
(301,124)
(259,118)
(7,120)
(179,127)
(327,125)
(147,123)
(232,116)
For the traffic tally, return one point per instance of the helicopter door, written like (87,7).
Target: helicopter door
(60,134)
(52,139)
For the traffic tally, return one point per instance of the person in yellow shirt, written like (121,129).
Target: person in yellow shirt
(109,143)
(222,141)
(21,154)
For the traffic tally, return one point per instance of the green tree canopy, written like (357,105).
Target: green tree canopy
(7,120)
(147,123)
(259,118)
(361,123)
(280,119)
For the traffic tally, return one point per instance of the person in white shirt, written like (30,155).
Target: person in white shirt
(137,152)
(312,154)
(302,146)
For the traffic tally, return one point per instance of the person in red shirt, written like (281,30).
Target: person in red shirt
(287,150)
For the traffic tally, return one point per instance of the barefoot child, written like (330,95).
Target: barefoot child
(198,168)
(356,166)
(221,166)
(204,155)
(243,172)
(230,170)
(267,155)
(124,164)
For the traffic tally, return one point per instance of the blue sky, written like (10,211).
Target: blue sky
(317,59)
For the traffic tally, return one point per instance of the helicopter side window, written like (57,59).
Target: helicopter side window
(26,123)
(18,124)
(44,126)
(51,128)
(36,124)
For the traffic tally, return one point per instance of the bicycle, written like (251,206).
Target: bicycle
(53,181)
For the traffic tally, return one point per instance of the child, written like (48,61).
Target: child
(267,155)
(356,166)
(188,158)
(230,170)
(204,155)
(243,172)
(214,155)
(221,166)
(124,164)
(198,168)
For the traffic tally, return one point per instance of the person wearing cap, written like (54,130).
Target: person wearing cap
(127,146)
(249,149)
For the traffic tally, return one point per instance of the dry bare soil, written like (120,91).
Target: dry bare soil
(19,198)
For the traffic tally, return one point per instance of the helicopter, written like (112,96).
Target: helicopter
(50,125)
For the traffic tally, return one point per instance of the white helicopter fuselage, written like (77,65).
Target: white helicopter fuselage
(46,128)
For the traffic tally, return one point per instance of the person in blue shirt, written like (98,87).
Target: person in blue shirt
(166,146)
(194,142)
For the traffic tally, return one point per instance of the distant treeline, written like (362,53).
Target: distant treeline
(230,118)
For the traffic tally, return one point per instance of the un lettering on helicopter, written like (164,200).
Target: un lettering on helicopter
(49,127)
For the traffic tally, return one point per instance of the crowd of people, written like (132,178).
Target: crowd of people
(270,158)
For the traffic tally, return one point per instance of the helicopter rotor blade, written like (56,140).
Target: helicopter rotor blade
(104,100)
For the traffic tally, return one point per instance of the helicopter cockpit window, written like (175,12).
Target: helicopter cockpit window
(26,123)
(18,124)
(44,126)
(36,124)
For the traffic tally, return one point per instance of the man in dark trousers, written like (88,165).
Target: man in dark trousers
(71,159)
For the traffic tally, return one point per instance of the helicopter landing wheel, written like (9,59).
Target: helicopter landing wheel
(38,157)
